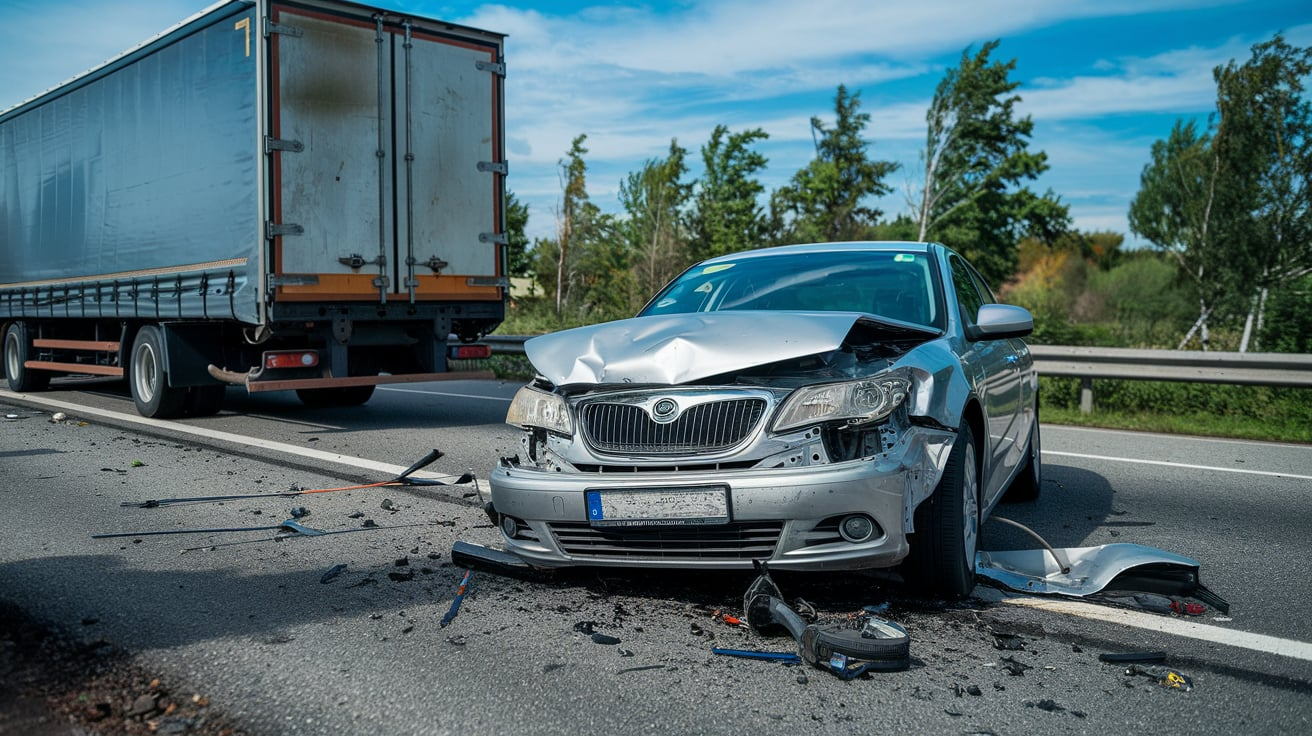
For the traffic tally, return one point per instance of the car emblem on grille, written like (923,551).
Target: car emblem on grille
(664,410)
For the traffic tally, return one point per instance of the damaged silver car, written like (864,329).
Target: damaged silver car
(822,407)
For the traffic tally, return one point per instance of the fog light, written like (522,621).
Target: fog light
(856,528)
(509,526)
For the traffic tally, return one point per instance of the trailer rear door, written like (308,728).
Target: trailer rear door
(386,157)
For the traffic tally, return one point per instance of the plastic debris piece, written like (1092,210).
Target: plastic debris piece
(1165,676)
(1128,569)
(1129,657)
(600,638)
(719,615)
(787,657)
(333,572)
(299,511)
(460,596)
(1013,667)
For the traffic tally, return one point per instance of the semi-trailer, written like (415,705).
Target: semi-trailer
(305,195)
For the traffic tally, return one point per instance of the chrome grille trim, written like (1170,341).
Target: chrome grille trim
(737,541)
(625,426)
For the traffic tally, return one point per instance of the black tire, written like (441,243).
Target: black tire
(335,397)
(888,655)
(151,391)
(17,349)
(1025,486)
(204,401)
(946,537)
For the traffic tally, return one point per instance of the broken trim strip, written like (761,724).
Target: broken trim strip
(1152,622)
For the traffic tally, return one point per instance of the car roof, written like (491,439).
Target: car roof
(864,246)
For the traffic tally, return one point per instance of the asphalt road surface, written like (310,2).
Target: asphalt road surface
(254,625)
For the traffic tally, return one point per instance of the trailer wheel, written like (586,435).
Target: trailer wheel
(330,397)
(17,350)
(151,391)
(205,401)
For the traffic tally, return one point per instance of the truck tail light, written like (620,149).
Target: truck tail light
(470,352)
(291,359)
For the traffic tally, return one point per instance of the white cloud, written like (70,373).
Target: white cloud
(47,43)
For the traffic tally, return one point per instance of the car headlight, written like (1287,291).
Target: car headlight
(856,402)
(533,407)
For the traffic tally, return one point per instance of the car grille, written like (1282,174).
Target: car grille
(708,427)
(742,541)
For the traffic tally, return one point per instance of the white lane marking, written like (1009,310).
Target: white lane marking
(1154,622)
(285,420)
(442,393)
(214,434)
(1185,466)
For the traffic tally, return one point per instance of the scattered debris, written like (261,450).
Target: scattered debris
(786,657)
(333,572)
(600,638)
(387,505)
(460,596)
(640,669)
(403,479)
(1165,676)
(299,512)
(848,649)
(1013,667)
(58,416)
(719,615)
(1128,657)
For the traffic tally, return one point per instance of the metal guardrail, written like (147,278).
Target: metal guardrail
(1249,369)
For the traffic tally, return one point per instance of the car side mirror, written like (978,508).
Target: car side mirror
(999,321)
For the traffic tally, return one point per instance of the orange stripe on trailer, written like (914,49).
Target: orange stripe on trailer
(89,368)
(360,287)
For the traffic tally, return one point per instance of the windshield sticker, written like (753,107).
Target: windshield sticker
(716,268)
(904,258)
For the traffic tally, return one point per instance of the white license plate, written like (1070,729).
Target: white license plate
(659,506)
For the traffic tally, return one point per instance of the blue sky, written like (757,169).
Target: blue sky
(1102,79)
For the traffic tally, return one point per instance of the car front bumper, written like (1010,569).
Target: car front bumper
(788,516)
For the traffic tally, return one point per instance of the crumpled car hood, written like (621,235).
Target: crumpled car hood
(680,348)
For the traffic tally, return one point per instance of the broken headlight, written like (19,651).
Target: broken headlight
(856,402)
(533,407)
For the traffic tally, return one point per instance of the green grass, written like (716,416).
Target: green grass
(1210,410)
(1202,425)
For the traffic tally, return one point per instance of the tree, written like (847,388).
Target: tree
(975,161)
(823,202)
(1175,210)
(573,175)
(655,200)
(727,216)
(517,256)
(1264,139)
(1231,204)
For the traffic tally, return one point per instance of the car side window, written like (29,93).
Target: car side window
(968,295)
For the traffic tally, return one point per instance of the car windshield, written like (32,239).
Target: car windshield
(890,284)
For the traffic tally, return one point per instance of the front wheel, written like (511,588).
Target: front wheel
(946,537)
(151,391)
(17,350)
